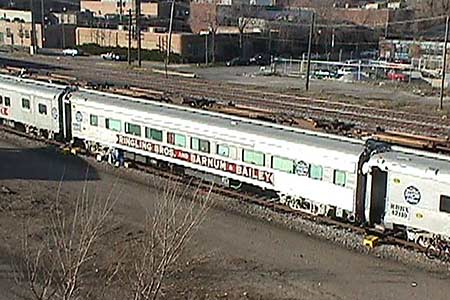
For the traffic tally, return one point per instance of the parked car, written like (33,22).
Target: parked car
(237,61)
(259,60)
(346,71)
(324,73)
(113,56)
(396,75)
(71,52)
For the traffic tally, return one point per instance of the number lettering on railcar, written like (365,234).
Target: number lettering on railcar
(399,211)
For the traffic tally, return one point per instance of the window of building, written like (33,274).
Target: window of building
(27,34)
(282,164)
(200,145)
(253,157)
(176,139)
(133,129)
(7,101)
(8,32)
(93,120)
(42,108)
(154,134)
(316,172)
(444,204)
(114,125)
(1,100)
(339,178)
(26,103)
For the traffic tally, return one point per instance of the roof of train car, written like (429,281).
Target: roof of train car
(218,120)
(37,88)
(400,158)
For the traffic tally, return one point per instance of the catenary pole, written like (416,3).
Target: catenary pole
(308,67)
(444,62)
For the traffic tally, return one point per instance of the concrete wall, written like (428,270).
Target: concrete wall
(18,34)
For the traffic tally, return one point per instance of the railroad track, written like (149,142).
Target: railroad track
(360,116)
(247,197)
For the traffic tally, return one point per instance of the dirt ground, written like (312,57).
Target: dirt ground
(233,256)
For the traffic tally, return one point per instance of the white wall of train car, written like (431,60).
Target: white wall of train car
(320,191)
(17,90)
(81,128)
(415,185)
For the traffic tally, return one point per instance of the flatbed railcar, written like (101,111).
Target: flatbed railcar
(370,183)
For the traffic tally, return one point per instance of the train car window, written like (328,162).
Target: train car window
(204,146)
(223,150)
(1,100)
(316,172)
(26,103)
(154,134)
(283,164)
(200,145)
(195,144)
(7,101)
(339,178)
(133,129)
(444,204)
(176,139)
(42,108)
(253,157)
(114,125)
(93,120)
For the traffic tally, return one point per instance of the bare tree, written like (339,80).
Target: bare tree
(243,15)
(165,234)
(59,265)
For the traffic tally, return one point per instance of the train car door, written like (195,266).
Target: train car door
(68,120)
(378,196)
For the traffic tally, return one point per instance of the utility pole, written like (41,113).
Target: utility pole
(444,62)
(138,31)
(311,33)
(206,49)
(43,23)
(62,29)
(130,25)
(33,28)
(169,42)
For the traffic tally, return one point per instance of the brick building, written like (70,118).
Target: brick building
(188,45)
(18,34)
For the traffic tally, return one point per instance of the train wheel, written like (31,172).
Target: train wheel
(432,252)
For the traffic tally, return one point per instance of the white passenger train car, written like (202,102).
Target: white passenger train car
(30,104)
(310,171)
(409,189)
